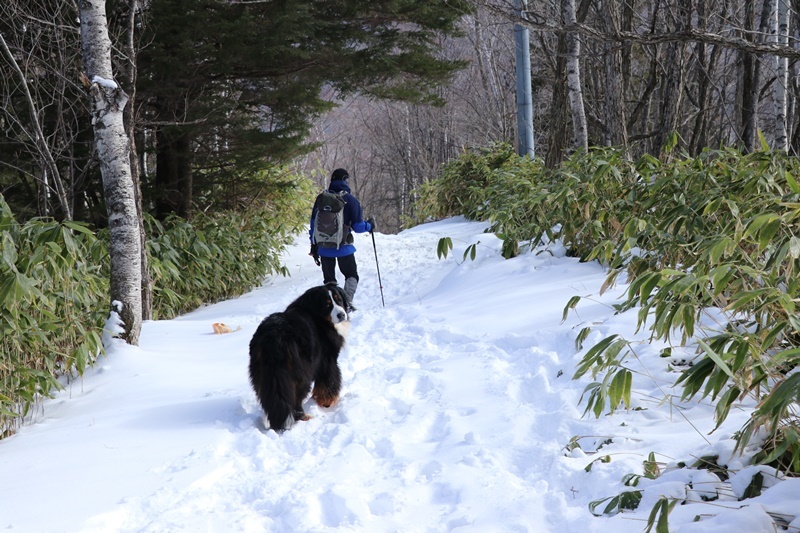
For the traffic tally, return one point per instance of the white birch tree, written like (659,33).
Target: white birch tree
(111,139)
(574,85)
(780,23)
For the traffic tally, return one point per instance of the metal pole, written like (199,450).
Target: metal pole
(380,284)
(524,96)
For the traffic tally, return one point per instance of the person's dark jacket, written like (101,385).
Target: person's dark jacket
(353,219)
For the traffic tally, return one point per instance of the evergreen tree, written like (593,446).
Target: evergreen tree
(228,86)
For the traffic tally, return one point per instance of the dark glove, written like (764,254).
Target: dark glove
(371,222)
(313,253)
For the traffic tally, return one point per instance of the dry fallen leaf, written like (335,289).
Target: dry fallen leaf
(220,328)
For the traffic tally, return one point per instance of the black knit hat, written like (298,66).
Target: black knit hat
(339,174)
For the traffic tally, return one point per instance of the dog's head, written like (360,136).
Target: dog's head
(338,302)
(325,301)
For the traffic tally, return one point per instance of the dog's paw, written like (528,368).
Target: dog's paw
(324,396)
(327,401)
(300,416)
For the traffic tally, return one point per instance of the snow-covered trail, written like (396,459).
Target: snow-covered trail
(436,420)
(457,402)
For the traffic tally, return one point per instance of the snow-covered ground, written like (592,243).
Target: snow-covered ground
(458,411)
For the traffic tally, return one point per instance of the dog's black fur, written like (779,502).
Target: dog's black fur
(291,349)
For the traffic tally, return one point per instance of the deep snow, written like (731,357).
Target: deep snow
(457,412)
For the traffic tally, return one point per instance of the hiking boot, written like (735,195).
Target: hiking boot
(350,285)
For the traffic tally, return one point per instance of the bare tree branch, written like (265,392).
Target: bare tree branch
(39,139)
(541,23)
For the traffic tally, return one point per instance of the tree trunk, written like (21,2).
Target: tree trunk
(781,75)
(574,87)
(558,117)
(173,172)
(703,67)
(616,132)
(748,83)
(108,103)
(672,88)
(130,118)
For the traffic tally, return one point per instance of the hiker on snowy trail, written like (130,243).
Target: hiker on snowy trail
(336,214)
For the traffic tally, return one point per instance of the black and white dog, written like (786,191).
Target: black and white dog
(293,348)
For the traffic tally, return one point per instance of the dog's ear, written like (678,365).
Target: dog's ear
(342,298)
(336,292)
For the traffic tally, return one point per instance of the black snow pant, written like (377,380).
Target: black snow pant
(347,266)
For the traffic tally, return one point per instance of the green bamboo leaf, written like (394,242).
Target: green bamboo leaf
(714,356)
(744,298)
(444,246)
(632,228)
(755,225)
(81,359)
(786,302)
(663,520)
(794,247)
(471,252)
(781,397)
(777,452)
(722,247)
(626,388)
(592,389)
(8,250)
(597,400)
(733,207)
(763,141)
(724,405)
(768,232)
(611,279)
(786,356)
(631,480)
(570,305)
(595,504)
(79,227)
(7,284)
(660,511)
(652,281)
(628,500)
(603,459)
(582,337)
(620,389)
(510,248)
(712,207)
(591,356)
(651,468)
(774,333)
(684,284)
(791,182)
(688,318)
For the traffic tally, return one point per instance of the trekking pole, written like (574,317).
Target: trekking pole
(380,284)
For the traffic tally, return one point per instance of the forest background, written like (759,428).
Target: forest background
(223,92)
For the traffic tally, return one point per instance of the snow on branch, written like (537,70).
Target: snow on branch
(108,84)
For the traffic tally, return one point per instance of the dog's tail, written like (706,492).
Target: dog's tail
(276,389)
